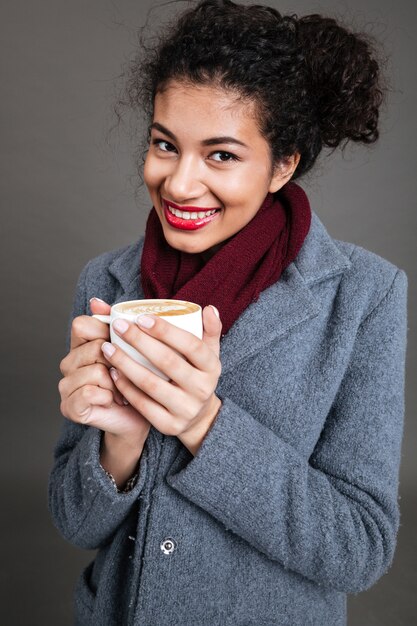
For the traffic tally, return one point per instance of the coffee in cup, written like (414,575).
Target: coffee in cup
(162,308)
(180,313)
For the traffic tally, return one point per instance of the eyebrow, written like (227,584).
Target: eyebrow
(212,141)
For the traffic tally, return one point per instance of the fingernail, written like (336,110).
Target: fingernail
(120,325)
(114,373)
(125,402)
(108,349)
(215,310)
(97,300)
(145,321)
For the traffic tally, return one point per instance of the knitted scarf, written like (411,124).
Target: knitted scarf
(248,263)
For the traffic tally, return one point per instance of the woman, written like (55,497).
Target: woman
(259,485)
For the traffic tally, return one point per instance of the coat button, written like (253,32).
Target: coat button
(168,546)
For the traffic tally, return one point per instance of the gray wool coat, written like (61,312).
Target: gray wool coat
(291,502)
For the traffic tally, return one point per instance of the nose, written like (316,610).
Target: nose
(184,181)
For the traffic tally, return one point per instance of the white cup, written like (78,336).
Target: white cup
(191,321)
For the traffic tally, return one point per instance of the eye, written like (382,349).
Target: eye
(163,145)
(224,157)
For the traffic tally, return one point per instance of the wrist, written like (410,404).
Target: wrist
(194,437)
(119,457)
(121,445)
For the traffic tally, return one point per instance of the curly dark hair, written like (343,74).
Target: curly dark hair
(314,82)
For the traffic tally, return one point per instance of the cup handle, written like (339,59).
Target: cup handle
(103,318)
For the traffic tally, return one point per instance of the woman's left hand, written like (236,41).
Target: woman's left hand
(186,405)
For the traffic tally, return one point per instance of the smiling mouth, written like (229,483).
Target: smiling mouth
(189,212)
(188,218)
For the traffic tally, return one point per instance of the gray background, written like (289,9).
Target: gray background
(67,195)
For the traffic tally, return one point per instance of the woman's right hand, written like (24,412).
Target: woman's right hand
(88,394)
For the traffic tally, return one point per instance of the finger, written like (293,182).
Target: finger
(141,377)
(86,354)
(155,412)
(212,328)
(181,402)
(78,406)
(97,375)
(151,341)
(167,359)
(99,307)
(86,328)
(123,421)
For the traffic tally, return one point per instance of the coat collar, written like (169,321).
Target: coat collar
(279,308)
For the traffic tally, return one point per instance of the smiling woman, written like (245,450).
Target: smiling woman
(257,485)
(190,166)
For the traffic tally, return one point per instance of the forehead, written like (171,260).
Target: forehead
(200,109)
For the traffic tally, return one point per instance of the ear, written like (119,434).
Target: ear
(283,171)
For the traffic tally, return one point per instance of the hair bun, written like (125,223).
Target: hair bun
(345,80)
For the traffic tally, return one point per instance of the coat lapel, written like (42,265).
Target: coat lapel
(281,307)
(126,269)
(288,302)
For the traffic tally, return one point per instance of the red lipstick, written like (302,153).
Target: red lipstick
(188,224)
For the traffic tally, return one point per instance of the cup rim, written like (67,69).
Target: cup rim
(115,308)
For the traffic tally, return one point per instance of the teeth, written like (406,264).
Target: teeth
(186,215)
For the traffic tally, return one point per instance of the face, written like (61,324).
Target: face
(208,168)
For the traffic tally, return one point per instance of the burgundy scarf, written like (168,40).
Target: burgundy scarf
(248,263)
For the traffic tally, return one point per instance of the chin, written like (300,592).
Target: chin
(184,247)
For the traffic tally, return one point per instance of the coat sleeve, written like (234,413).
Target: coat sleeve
(85,505)
(332,518)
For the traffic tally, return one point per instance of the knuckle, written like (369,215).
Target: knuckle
(102,375)
(161,327)
(95,347)
(202,392)
(152,385)
(87,392)
(194,345)
(63,365)
(62,408)
(61,386)
(92,353)
(77,324)
(173,430)
(203,389)
(187,417)
(170,360)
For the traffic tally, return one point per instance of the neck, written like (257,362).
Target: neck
(210,252)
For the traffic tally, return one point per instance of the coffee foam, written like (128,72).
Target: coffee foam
(160,307)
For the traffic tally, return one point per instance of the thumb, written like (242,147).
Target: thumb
(212,328)
(99,307)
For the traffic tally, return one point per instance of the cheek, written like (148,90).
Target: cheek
(231,188)
(244,193)
(241,190)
